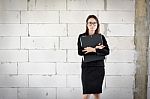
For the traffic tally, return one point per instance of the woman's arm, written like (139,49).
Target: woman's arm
(80,48)
(104,51)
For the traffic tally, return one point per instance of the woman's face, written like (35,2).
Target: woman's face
(92,24)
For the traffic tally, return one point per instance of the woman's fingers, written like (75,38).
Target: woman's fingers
(84,50)
(100,46)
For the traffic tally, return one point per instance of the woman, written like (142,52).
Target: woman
(93,58)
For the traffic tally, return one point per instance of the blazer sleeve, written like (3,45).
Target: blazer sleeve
(80,48)
(105,50)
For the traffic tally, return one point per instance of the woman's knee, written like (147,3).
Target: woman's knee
(96,95)
(86,96)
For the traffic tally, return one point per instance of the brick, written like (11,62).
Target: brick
(8,93)
(13,5)
(124,30)
(76,29)
(13,81)
(36,68)
(9,42)
(36,93)
(47,30)
(74,81)
(120,69)
(116,16)
(69,93)
(13,55)
(68,68)
(13,30)
(47,81)
(68,43)
(120,81)
(121,56)
(35,43)
(127,43)
(72,56)
(39,17)
(117,93)
(47,56)
(47,5)
(71,16)
(8,68)
(85,5)
(128,5)
(9,17)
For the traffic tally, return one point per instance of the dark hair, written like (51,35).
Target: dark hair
(97,29)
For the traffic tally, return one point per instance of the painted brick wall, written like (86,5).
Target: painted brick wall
(38,47)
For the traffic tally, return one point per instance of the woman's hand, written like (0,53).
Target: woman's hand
(89,49)
(100,46)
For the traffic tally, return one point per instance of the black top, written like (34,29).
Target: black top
(92,56)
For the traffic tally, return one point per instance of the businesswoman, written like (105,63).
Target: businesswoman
(93,70)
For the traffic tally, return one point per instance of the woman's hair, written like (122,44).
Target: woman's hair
(97,29)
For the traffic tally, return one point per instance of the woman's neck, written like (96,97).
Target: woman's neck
(91,32)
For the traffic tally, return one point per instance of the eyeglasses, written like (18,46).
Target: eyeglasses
(94,23)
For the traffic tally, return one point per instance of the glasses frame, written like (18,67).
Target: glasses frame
(92,23)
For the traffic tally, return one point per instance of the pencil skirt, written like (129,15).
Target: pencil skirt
(92,76)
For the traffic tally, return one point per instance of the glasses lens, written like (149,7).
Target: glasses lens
(90,23)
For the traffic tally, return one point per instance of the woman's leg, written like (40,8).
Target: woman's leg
(96,96)
(85,96)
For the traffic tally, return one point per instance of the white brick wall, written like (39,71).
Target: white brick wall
(116,16)
(47,56)
(9,42)
(47,5)
(75,29)
(85,5)
(120,69)
(39,17)
(69,93)
(127,43)
(121,56)
(120,5)
(8,68)
(39,43)
(72,56)
(8,93)
(120,30)
(120,81)
(74,81)
(71,16)
(13,81)
(47,81)
(68,68)
(9,17)
(13,5)
(13,55)
(118,93)
(68,42)
(13,30)
(38,47)
(47,30)
(36,68)
(36,93)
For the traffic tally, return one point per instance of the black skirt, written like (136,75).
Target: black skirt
(92,76)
